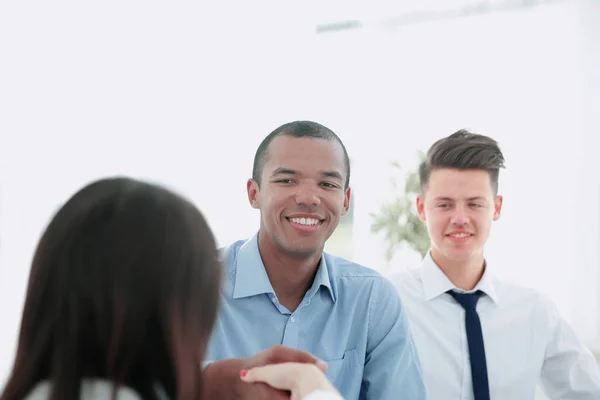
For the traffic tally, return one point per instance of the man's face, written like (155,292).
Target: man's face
(458,207)
(301,196)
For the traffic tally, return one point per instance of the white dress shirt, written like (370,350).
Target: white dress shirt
(323,395)
(526,340)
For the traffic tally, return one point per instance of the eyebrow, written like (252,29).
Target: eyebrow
(283,171)
(476,198)
(288,171)
(332,174)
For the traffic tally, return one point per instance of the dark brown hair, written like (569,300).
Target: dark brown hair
(124,286)
(297,129)
(463,150)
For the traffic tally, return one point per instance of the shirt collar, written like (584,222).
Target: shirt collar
(251,278)
(322,279)
(435,282)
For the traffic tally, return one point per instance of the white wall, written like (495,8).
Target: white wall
(522,77)
(183,94)
(177,93)
(586,288)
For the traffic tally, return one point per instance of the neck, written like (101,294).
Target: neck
(291,275)
(464,274)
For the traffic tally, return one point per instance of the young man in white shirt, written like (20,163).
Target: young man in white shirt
(479,337)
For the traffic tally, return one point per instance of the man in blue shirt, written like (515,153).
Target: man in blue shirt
(281,288)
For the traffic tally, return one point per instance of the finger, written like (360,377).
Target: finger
(260,390)
(279,376)
(281,354)
(322,365)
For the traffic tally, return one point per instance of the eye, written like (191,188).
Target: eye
(476,205)
(443,205)
(284,181)
(329,185)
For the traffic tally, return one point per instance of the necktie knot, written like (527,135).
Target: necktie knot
(467,300)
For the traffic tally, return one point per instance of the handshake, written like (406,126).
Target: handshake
(278,373)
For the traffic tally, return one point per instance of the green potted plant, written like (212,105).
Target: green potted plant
(397,219)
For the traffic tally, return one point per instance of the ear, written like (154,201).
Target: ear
(346,201)
(497,207)
(253,191)
(421,207)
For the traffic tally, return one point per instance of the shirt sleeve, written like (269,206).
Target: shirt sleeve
(392,367)
(569,371)
(323,395)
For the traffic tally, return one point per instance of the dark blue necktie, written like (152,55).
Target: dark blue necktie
(475,339)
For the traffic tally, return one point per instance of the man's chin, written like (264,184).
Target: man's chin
(451,253)
(464,254)
(303,254)
(303,251)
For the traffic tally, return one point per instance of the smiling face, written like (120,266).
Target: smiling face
(458,207)
(301,196)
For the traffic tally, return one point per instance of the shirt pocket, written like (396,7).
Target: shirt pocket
(340,369)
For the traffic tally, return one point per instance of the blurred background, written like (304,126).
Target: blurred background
(182,93)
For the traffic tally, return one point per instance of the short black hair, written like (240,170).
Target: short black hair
(297,129)
(464,150)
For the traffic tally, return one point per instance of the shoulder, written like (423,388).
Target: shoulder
(230,250)
(543,310)
(355,277)
(90,389)
(408,281)
(345,270)
(408,284)
(228,254)
(513,292)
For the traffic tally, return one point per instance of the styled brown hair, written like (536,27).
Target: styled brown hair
(463,150)
(124,286)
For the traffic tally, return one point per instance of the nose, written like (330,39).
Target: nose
(460,216)
(308,196)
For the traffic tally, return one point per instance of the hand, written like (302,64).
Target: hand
(281,354)
(221,379)
(300,379)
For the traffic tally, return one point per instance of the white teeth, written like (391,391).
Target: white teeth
(460,235)
(305,221)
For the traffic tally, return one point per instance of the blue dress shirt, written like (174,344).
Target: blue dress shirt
(351,317)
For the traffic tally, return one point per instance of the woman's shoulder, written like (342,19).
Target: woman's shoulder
(95,389)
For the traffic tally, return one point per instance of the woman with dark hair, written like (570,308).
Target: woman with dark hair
(121,301)
(124,287)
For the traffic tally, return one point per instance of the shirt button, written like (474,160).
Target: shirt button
(292,319)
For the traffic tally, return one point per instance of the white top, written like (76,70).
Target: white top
(526,340)
(91,389)
(102,390)
(323,395)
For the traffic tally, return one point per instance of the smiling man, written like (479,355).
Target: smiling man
(281,288)
(479,337)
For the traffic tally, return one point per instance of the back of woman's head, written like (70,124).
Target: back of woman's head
(124,286)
